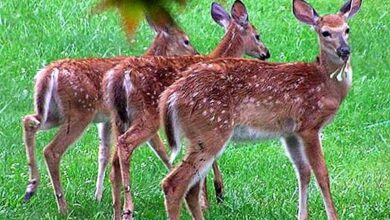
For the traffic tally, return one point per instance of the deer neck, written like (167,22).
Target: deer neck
(158,47)
(231,44)
(336,70)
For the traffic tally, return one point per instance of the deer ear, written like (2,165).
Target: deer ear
(161,21)
(154,26)
(304,12)
(350,8)
(239,13)
(219,15)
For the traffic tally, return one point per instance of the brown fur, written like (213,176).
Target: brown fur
(238,98)
(332,20)
(73,89)
(148,78)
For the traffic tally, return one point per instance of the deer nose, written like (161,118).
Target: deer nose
(265,56)
(343,52)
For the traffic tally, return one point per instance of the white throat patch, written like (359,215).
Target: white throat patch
(343,74)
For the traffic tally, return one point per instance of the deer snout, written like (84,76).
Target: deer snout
(344,52)
(265,55)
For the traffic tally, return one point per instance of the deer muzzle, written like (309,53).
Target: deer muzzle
(343,52)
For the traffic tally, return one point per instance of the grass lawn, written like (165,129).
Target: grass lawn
(260,181)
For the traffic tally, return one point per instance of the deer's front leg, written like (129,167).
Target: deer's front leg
(315,157)
(104,156)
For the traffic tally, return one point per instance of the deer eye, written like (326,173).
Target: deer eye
(347,31)
(186,42)
(257,37)
(326,34)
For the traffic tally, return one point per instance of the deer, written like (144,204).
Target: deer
(132,89)
(68,95)
(239,99)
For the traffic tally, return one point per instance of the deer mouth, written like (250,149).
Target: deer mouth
(344,57)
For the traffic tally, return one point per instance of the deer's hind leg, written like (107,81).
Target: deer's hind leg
(115,174)
(204,196)
(218,186)
(31,125)
(66,135)
(186,177)
(141,130)
(116,183)
(158,146)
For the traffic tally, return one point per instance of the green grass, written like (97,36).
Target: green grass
(260,182)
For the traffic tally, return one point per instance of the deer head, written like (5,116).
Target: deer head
(332,30)
(239,25)
(170,40)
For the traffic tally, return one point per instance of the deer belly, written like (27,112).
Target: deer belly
(101,118)
(243,133)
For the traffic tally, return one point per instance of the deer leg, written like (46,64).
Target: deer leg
(66,135)
(295,150)
(179,180)
(31,125)
(218,183)
(313,152)
(115,174)
(104,156)
(141,130)
(116,181)
(192,199)
(204,197)
(157,145)
(200,156)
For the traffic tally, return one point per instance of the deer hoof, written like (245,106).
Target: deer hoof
(127,215)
